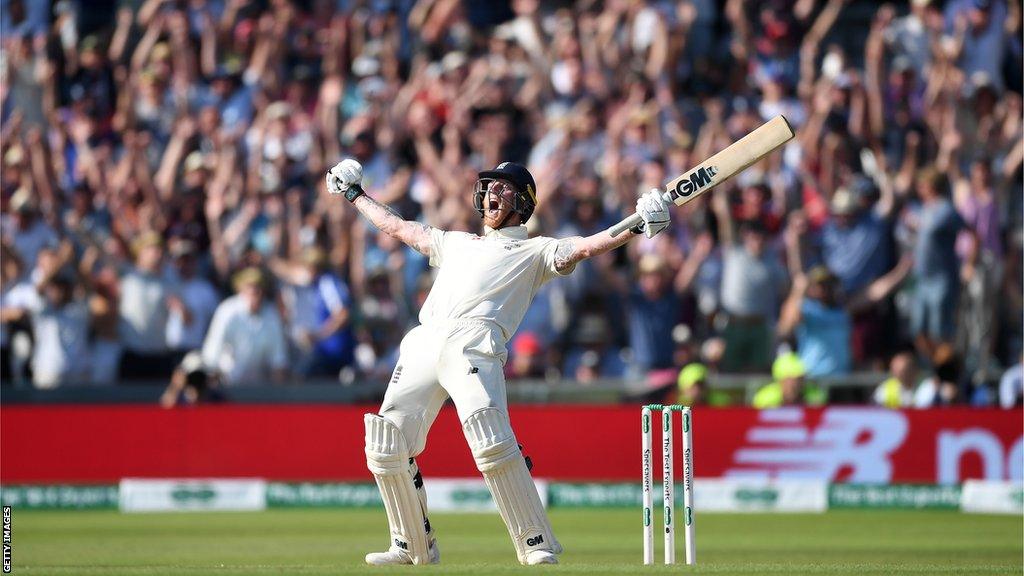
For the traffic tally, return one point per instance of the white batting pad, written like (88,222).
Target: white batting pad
(387,457)
(498,457)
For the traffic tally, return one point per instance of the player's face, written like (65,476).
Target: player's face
(498,202)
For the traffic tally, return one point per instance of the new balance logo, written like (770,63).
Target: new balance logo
(539,539)
(845,444)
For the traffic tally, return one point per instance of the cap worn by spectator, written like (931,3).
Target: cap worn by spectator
(821,275)
(14,156)
(278,111)
(592,331)
(651,264)
(902,63)
(787,367)
(181,248)
(691,375)
(22,202)
(453,61)
(787,388)
(91,43)
(978,82)
(364,66)
(314,257)
(161,51)
(526,343)
(250,276)
(195,161)
(146,240)
(844,203)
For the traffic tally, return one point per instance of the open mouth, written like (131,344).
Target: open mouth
(493,206)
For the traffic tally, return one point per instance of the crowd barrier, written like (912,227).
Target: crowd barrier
(102,444)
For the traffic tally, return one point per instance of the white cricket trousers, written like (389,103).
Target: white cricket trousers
(458,358)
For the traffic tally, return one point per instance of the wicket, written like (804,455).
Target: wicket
(668,481)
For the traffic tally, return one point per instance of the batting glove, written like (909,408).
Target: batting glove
(346,178)
(653,209)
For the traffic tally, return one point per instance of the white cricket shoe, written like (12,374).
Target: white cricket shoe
(396,556)
(535,557)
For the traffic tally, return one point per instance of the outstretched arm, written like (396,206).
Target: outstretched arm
(346,178)
(576,248)
(414,234)
(653,210)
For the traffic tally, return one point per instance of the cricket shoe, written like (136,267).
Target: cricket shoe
(395,556)
(535,557)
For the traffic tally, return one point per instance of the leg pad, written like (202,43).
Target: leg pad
(498,457)
(387,457)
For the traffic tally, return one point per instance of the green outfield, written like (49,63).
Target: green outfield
(597,541)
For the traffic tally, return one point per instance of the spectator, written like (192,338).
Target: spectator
(979,247)
(753,285)
(187,324)
(820,316)
(975,35)
(936,270)
(653,312)
(106,345)
(527,358)
(15,295)
(942,388)
(145,304)
(60,332)
(320,315)
(245,344)
(1011,387)
(908,36)
(591,354)
(788,387)
(191,383)
(856,246)
(820,321)
(897,391)
(692,385)
(382,316)
(25,231)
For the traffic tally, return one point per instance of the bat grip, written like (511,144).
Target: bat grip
(625,224)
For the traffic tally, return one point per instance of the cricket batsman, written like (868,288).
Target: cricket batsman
(483,288)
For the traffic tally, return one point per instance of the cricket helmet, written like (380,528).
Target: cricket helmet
(525,200)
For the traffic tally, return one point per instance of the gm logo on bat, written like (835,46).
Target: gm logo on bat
(697,181)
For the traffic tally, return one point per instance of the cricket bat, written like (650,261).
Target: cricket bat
(720,167)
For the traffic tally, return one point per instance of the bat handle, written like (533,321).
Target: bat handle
(625,224)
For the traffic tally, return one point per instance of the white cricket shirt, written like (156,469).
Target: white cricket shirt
(491,277)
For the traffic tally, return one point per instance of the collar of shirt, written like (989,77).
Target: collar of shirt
(510,232)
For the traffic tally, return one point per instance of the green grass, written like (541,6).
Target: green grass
(599,541)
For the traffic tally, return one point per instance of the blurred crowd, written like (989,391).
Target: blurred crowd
(164,212)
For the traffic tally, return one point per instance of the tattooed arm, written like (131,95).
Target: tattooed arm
(386,220)
(572,250)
